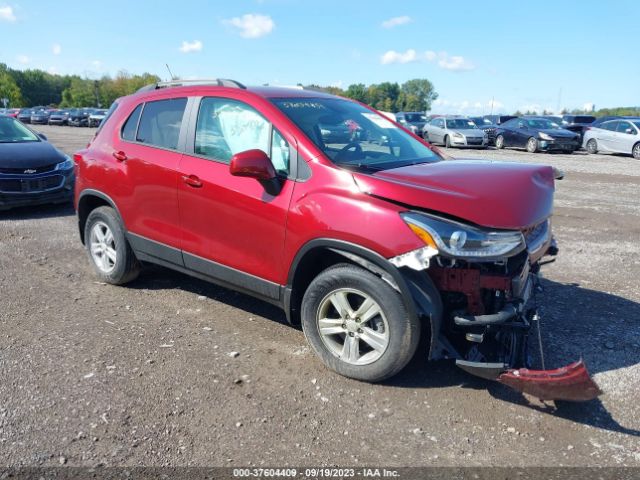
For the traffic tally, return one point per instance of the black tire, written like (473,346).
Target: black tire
(425,135)
(126,266)
(636,151)
(447,141)
(403,331)
(592,146)
(499,142)
(532,145)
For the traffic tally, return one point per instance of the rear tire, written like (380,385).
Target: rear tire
(369,342)
(108,249)
(532,145)
(636,151)
(592,146)
(499,142)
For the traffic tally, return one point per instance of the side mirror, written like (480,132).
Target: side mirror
(42,136)
(256,164)
(630,131)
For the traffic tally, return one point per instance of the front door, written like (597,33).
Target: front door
(231,227)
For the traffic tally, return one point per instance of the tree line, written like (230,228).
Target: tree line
(32,87)
(23,88)
(415,95)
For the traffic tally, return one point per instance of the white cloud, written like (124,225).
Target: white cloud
(399,57)
(252,25)
(396,21)
(6,14)
(454,63)
(188,47)
(466,107)
(97,64)
(56,49)
(23,59)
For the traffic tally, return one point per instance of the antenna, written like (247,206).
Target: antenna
(170,74)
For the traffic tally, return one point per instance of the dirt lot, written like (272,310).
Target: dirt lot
(92,374)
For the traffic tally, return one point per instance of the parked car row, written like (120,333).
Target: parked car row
(535,133)
(77,117)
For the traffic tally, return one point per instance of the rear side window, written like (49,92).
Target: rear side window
(131,125)
(160,123)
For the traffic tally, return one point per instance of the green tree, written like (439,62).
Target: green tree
(9,89)
(357,91)
(419,95)
(81,93)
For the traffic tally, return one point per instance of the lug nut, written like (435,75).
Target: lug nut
(344,325)
(359,330)
(351,334)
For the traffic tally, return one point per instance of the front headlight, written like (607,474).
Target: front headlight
(457,135)
(66,165)
(544,136)
(457,240)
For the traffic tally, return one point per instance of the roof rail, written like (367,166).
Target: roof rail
(219,82)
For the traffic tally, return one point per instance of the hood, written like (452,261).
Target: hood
(29,155)
(558,133)
(469,132)
(500,195)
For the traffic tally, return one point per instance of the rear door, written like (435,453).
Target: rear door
(438,130)
(606,135)
(149,149)
(232,229)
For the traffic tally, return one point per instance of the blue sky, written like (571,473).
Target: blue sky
(522,54)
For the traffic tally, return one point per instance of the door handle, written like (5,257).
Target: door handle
(192,181)
(120,156)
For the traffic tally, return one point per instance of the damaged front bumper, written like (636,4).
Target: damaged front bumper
(571,383)
(487,315)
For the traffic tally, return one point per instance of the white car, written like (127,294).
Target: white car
(455,132)
(614,136)
(96,118)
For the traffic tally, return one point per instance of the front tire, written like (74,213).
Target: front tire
(592,146)
(447,141)
(532,145)
(109,251)
(636,151)
(499,142)
(357,324)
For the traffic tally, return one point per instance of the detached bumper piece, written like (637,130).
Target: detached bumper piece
(571,383)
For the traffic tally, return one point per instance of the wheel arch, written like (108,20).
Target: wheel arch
(417,290)
(88,201)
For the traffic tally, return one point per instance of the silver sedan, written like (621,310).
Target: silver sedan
(455,132)
(614,136)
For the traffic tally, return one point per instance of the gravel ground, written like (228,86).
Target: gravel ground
(92,374)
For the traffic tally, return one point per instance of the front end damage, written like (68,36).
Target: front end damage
(489,311)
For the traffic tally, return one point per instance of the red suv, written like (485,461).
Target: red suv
(353,225)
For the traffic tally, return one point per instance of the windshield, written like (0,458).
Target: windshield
(12,131)
(351,135)
(541,124)
(415,117)
(479,121)
(460,123)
